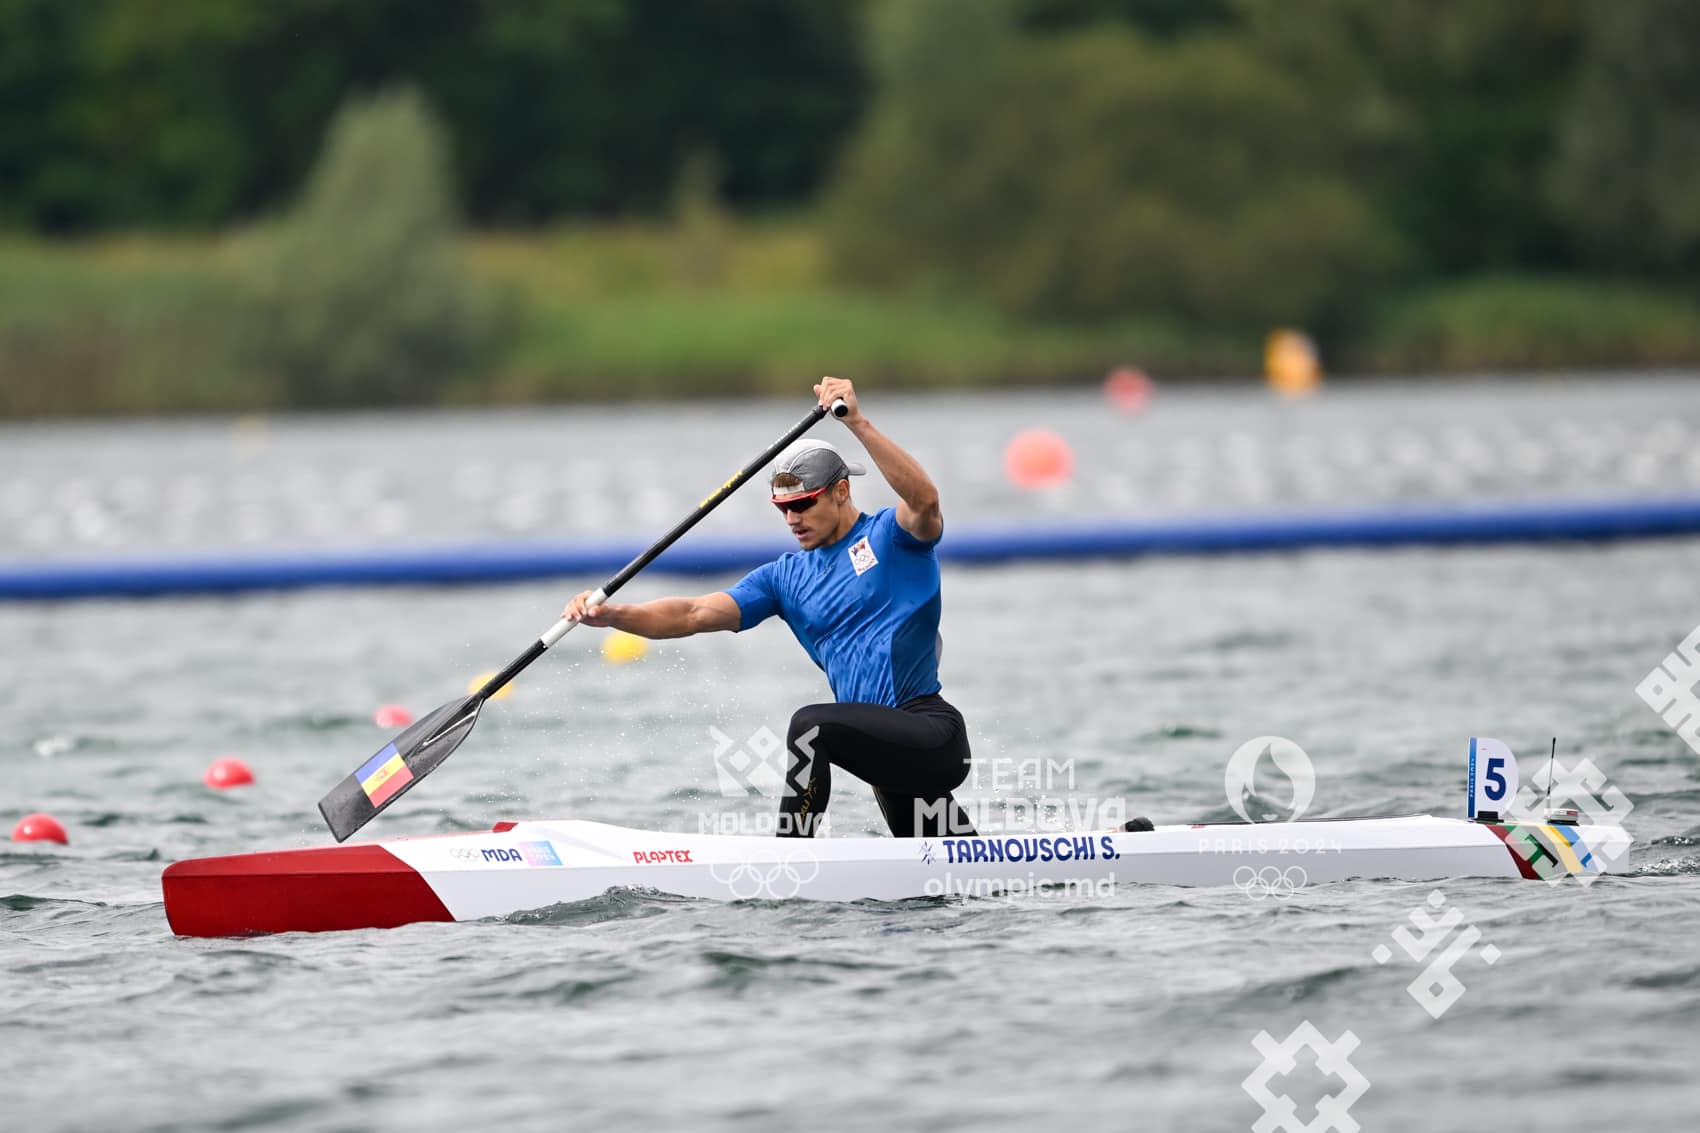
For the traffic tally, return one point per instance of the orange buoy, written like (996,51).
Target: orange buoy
(1291,364)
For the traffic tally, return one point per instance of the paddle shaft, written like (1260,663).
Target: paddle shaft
(564,626)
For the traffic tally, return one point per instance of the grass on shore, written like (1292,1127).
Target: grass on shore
(645,311)
(715,306)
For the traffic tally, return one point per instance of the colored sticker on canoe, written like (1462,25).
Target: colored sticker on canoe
(539,853)
(383,775)
(1546,853)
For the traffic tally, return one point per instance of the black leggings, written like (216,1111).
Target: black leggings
(911,756)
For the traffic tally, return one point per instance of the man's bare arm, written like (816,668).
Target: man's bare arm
(663,617)
(918,497)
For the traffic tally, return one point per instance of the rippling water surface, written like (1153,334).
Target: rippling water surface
(636,1011)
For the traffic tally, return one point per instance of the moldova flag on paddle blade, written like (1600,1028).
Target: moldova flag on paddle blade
(383,775)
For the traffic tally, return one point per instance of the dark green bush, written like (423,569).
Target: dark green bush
(1521,323)
(360,296)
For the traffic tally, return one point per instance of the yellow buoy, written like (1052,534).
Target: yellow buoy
(478,682)
(250,433)
(1291,364)
(620,647)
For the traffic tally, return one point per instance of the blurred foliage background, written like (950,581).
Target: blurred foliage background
(220,204)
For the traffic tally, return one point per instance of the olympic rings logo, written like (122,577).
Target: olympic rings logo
(775,880)
(1270,881)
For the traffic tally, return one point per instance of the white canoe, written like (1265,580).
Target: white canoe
(520,866)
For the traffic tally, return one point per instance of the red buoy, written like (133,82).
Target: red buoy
(39,828)
(1128,389)
(1038,459)
(392,716)
(227,771)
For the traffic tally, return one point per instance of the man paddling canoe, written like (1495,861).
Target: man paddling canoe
(861,594)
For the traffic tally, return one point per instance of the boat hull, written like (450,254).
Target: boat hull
(521,866)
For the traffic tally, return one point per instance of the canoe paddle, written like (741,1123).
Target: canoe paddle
(415,753)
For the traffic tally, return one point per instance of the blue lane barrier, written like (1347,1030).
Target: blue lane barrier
(1578,521)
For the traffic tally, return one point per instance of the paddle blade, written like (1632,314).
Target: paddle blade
(392,772)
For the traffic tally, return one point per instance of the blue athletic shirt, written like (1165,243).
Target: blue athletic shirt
(866,609)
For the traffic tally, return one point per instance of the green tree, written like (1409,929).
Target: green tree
(1098,175)
(939,63)
(1627,174)
(46,183)
(199,112)
(1447,114)
(360,296)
